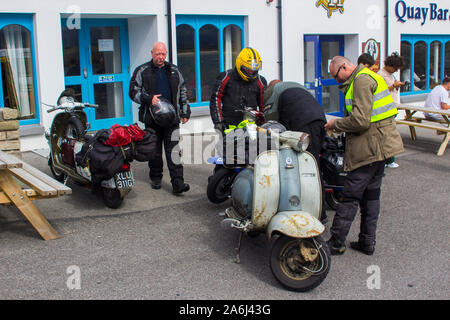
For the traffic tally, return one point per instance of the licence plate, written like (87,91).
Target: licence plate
(124,179)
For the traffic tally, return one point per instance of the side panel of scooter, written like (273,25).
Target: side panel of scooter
(311,195)
(266,189)
(290,191)
(242,193)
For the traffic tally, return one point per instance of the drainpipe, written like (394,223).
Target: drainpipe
(280,41)
(386,27)
(169,29)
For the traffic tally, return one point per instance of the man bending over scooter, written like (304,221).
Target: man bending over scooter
(292,105)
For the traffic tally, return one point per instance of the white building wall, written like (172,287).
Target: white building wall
(147,23)
(304,18)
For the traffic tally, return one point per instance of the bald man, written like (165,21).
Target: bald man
(151,82)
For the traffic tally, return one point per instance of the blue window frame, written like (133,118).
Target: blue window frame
(427,62)
(18,81)
(206,46)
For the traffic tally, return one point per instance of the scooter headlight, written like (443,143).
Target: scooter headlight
(303,142)
(299,141)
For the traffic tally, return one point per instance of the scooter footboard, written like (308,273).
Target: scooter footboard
(295,224)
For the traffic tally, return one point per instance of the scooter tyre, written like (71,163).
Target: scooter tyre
(75,128)
(219,185)
(112,198)
(290,279)
(333,199)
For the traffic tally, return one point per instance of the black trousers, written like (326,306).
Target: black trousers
(169,137)
(362,189)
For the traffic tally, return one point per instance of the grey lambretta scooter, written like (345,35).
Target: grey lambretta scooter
(281,195)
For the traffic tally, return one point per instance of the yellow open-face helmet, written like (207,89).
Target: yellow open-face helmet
(248,64)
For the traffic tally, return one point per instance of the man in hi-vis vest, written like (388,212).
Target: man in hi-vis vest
(371,138)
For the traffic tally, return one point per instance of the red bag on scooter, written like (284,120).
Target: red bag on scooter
(119,136)
(136,133)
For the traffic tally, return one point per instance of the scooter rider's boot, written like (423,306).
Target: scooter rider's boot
(178,186)
(336,248)
(369,217)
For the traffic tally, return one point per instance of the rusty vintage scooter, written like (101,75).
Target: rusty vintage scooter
(281,196)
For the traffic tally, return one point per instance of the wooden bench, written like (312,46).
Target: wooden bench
(38,185)
(440,126)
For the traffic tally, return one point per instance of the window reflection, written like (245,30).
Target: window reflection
(447,60)
(435,64)
(231,45)
(405,75)
(17,69)
(209,57)
(186,58)
(420,64)
(105,45)
(71,52)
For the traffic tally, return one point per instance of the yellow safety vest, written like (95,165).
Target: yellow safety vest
(383,105)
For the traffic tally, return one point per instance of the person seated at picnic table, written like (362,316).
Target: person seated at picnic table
(438,99)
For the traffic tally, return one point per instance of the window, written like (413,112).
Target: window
(17,69)
(206,46)
(427,62)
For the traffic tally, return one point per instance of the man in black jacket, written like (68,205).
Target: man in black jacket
(292,105)
(150,82)
(237,88)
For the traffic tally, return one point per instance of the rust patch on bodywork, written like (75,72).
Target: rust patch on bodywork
(264,181)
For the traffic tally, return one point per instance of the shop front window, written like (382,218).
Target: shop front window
(186,58)
(17,89)
(209,57)
(447,59)
(420,64)
(232,40)
(435,64)
(427,62)
(206,46)
(405,75)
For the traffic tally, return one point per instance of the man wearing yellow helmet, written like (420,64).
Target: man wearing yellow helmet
(236,89)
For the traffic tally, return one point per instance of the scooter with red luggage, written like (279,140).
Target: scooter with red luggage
(68,139)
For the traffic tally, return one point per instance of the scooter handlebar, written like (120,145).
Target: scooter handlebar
(90,105)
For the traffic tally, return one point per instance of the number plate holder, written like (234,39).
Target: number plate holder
(124,179)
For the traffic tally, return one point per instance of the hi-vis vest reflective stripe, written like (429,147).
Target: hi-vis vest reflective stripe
(383,105)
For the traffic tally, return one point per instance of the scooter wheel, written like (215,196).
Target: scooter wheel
(58,175)
(75,128)
(112,198)
(219,185)
(300,264)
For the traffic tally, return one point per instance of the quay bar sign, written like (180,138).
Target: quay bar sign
(432,12)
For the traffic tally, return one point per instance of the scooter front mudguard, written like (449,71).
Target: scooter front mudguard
(295,224)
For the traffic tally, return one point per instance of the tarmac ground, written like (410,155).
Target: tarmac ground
(159,246)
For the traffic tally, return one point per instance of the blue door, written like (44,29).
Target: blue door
(96,67)
(318,52)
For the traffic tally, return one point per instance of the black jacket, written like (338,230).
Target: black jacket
(231,93)
(143,88)
(298,108)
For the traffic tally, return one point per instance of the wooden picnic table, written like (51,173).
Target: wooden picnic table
(38,185)
(412,119)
